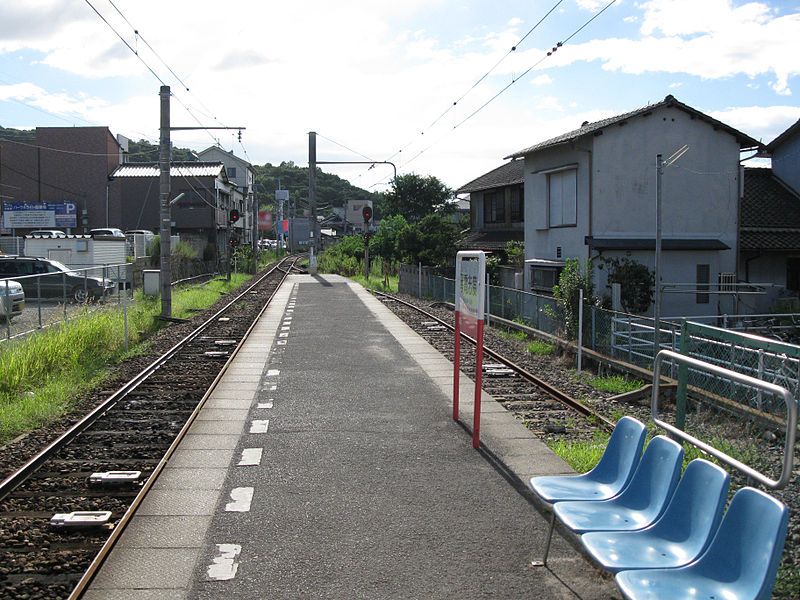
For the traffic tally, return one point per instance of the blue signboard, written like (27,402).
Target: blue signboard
(40,214)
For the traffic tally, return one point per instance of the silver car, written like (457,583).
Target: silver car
(12,299)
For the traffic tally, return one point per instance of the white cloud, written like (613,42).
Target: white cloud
(543,79)
(549,103)
(591,5)
(763,123)
(675,85)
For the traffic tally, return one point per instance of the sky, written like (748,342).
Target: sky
(430,85)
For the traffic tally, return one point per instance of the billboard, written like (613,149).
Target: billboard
(264,220)
(39,215)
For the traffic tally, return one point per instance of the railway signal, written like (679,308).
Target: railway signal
(233,215)
(366,212)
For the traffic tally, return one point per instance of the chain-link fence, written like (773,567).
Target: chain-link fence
(632,338)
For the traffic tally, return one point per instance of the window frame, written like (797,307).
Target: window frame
(563,220)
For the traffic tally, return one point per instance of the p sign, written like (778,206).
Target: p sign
(470,298)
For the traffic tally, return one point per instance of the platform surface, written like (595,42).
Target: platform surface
(327,465)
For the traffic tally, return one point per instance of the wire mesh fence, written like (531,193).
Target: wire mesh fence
(633,339)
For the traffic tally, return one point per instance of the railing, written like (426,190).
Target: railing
(745,380)
(631,338)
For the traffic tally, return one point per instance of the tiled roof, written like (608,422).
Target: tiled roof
(491,240)
(511,173)
(186,169)
(770,214)
(745,141)
(784,136)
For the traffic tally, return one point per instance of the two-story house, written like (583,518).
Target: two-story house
(770,223)
(200,213)
(241,174)
(591,194)
(496,208)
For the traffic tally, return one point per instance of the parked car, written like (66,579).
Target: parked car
(48,233)
(55,280)
(266,244)
(12,299)
(107,231)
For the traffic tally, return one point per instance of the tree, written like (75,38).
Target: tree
(431,241)
(385,243)
(515,251)
(414,197)
(637,282)
(572,279)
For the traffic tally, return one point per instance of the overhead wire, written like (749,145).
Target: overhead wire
(516,79)
(481,78)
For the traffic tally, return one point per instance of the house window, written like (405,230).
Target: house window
(494,206)
(232,172)
(543,279)
(517,205)
(793,274)
(562,198)
(703,279)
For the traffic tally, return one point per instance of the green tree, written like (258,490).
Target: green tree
(431,241)
(385,243)
(414,197)
(636,280)
(572,279)
(515,251)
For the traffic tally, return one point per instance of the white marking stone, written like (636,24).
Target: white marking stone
(265,404)
(259,426)
(224,565)
(284,334)
(285,328)
(281,342)
(240,500)
(273,372)
(251,457)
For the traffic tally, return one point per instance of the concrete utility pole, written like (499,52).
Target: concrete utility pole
(312,184)
(165,220)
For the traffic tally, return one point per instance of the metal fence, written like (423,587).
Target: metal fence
(632,338)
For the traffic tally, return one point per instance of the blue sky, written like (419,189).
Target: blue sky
(375,75)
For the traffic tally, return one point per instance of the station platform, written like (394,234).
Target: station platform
(326,464)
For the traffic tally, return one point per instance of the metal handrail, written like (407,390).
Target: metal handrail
(788,398)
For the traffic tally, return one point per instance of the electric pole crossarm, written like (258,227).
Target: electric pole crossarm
(359,162)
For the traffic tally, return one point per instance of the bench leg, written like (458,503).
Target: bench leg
(543,562)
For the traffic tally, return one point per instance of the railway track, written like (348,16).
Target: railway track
(128,437)
(543,407)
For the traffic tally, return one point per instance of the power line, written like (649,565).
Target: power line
(482,77)
(516,79)
(346,148)
(124,41)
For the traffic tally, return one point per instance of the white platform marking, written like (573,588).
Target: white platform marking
(259,426)
(273,372)
(224,565)
(281,342)
(265,404)
(240,500)
(284,334)
(251,457)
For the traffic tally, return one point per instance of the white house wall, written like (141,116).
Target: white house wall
(785,159)
(700,198)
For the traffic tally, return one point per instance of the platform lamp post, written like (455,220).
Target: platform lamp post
(165,219)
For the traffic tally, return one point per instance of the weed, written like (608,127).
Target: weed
(581,455)
(541,348)
(614,384)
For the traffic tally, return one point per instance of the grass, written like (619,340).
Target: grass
(513,334)
(540,348)
(614,384)
(580,455)
(43,374)
(375,282)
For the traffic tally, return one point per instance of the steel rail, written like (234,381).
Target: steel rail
(102,554)
(15,479)
(530,377)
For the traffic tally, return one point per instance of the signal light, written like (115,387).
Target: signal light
(233,216)
(366,212)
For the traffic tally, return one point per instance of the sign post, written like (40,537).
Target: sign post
(470,299)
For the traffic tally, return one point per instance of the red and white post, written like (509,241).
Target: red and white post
(470,299)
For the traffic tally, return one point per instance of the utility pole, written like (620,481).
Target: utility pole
(165,220)
(312,184)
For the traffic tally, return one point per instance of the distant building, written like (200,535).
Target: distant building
(241,174)
(200,216)
(65,167)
